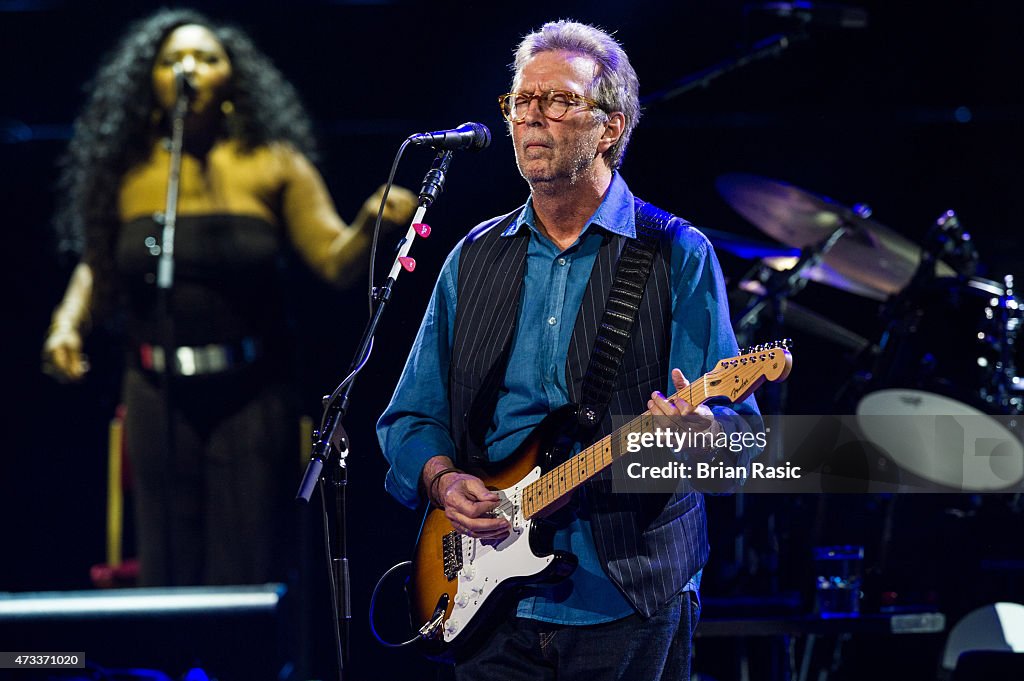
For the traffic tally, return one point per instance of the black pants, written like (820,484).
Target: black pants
(650,649)
(215,512)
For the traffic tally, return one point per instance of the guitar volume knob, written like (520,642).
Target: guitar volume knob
(451,627)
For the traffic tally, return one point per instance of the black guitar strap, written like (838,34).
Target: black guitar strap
(620,313)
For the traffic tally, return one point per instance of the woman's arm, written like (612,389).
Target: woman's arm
(62,350)
(331,248)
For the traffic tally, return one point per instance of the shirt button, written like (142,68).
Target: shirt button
(561,261)
(552,321)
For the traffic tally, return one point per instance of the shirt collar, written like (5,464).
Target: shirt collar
(615,214)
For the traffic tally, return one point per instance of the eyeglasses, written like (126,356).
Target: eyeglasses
(554,104)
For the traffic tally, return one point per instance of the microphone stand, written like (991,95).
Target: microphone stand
(165,320)
(772,46)
(803,13)
(331,436)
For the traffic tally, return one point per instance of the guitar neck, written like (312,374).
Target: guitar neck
(566,477)
(734,378)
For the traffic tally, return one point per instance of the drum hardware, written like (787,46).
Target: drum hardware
(874,261)
(943,377)
(939,393)
(823,273)
(947,239)
(947,367)
(805,319)
(835,245)
(994,325)
(773,287)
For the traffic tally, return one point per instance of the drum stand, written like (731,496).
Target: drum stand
(778,287)
(768,309)
(946,240)
(899,364)
(781,285)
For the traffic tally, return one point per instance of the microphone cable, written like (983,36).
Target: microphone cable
(380,215)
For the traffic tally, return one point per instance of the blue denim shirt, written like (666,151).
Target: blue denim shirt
(415,426)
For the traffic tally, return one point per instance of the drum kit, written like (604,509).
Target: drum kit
(947,348)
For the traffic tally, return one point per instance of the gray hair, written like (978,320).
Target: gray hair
(615,87)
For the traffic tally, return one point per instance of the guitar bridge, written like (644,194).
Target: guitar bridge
(451,549)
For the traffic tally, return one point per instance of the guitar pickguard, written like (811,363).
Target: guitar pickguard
(487,566)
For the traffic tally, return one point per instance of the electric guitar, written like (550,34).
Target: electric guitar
(456,580)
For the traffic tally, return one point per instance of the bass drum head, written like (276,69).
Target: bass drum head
(942,440)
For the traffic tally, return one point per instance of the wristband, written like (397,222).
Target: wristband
(433,483)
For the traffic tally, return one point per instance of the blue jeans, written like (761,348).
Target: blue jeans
(630,648)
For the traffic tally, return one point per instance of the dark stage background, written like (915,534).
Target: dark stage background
(915,114)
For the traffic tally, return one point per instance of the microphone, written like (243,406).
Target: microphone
(184,83)
(473,136)
(816,13)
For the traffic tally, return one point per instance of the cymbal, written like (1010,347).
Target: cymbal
(822,273)
(870,259)
(748,249)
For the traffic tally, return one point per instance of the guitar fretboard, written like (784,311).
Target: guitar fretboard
(734,378)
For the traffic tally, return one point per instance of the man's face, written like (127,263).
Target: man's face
(551,151)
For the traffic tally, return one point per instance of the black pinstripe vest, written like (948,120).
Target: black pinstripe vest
(650,544)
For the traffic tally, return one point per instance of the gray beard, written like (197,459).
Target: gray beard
(579,164)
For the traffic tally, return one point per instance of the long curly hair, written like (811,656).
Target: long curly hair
(115,131)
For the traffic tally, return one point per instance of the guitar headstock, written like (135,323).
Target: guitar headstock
(737,377)
(766,353)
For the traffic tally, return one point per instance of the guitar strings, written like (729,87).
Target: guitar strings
(590,454)
(746,370)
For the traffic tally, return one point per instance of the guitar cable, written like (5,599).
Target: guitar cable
(373,602)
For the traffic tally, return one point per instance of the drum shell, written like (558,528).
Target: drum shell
(958,339)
